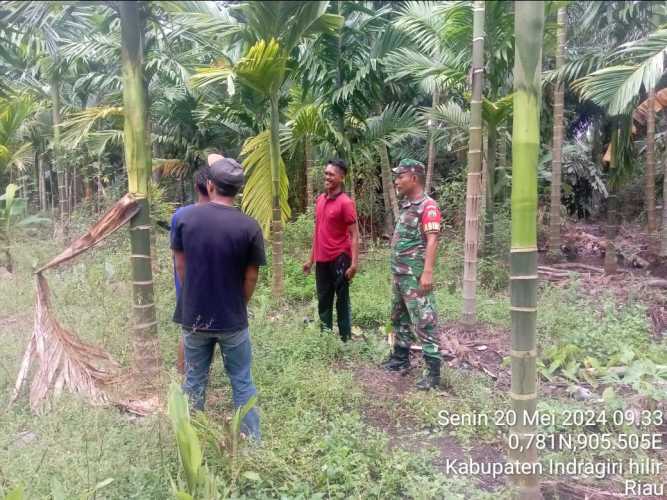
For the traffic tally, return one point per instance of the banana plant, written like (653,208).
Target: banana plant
(12,215)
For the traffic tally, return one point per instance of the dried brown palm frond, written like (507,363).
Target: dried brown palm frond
(118,215)
(63,361)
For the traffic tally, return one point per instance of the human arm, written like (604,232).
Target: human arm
(250,282)
(354,234)
(426,279)
(309,263)
(350,217)
(179,265)
(430,220)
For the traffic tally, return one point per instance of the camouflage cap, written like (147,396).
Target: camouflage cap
(410,165)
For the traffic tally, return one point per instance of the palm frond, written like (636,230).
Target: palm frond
(96,47)
(258,190)
(222,72)
(430,72)
(397,122)
(577,68)
(423,24)
(98,141)
(263,68)
(449,114)
(79,125)
(616,88)
(637,64)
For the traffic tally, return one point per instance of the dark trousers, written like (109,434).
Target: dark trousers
(330,280)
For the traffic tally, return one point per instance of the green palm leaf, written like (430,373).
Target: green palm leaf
(422,22)
(443,71)
(397,122)
(263,68)
(257,192)
(79,125)
(637,64)
(451,115)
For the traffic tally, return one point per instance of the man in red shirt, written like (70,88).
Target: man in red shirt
(335,249)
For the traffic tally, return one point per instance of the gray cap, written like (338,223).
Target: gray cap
(226,171)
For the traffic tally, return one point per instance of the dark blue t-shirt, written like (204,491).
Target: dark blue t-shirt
(174,221)
(219,243)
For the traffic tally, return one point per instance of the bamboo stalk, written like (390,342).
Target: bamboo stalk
(473,188)
(529,25)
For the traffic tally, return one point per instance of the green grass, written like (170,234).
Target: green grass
(317,443)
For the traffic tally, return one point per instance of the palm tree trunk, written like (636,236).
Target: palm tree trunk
(384,155)
(491,154)
(528,28)
(308,165)
(41,184)
(57,159)
(649,178)
(501,168)
(138,162)
(557,146)
(430,162)
(610,258)
(388,192)
(663,239)
(473,188)
(277,222)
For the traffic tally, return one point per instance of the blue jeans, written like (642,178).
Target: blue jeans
(237,359)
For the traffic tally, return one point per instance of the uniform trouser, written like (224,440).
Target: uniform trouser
(237,360)
(330,280)
(412,312)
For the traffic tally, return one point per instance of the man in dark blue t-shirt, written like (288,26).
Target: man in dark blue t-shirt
(217,253)
(202,197)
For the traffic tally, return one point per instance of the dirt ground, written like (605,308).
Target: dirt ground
(484,347)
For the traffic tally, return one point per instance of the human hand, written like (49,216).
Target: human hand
(426,283)
(350,272)
(307,266)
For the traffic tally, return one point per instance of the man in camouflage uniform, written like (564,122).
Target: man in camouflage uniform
(413,251)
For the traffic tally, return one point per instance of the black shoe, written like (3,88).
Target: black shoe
(431,379)
(399,360)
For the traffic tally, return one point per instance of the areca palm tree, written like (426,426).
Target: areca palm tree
(474,185)
(275,29)
(635,67)
(431,61)
(529,27)
(559,98)
(138,164)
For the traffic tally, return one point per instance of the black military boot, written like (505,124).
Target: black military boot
(399,360)
(431,379)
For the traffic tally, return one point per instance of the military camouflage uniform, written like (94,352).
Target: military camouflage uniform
(411,310)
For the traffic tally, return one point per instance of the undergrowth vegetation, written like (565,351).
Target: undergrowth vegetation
(317,439)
